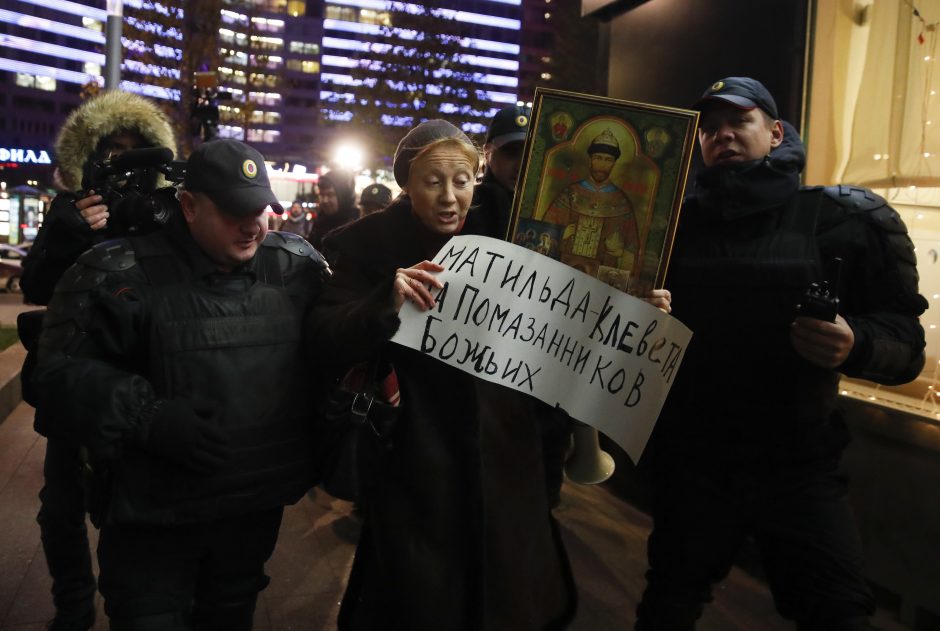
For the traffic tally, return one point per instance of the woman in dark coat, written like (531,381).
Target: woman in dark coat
(457,535)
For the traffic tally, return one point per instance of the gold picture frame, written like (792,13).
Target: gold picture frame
(601,185)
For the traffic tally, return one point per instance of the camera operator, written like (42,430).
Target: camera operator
(101,128)
(178,361)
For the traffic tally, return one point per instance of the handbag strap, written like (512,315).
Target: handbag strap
(366,393)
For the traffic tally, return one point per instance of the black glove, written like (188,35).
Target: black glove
(187,434)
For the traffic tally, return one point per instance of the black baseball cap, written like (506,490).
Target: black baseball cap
(741,92)
(233,176)
(508,125)
(377,194)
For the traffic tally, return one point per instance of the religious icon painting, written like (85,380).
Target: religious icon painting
(601,184)
(540,236)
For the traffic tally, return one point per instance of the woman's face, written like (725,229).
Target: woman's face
(440,185)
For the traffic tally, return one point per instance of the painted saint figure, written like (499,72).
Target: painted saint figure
(600,225)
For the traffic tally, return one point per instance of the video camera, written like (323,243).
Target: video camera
(127,184)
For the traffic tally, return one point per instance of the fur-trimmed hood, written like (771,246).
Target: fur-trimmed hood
(110,112)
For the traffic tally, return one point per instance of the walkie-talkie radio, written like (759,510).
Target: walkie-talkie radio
(821,300)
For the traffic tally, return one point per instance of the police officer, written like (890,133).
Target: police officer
(374,198)
(750,438)
(102,128)
(502,153)
(177,358)
(490,214)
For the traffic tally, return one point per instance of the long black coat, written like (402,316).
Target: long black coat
(458,535)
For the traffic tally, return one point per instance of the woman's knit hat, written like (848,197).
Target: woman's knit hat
(417,139)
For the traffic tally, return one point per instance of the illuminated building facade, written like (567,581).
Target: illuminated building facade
(278,60)
(489,31)
(269,64)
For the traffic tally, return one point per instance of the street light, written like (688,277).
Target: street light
(112,59)
(348,157)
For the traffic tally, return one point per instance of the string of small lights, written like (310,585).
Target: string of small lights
(924,25)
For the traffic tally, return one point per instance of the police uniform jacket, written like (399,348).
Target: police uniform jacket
(138,321)
(491,208)
(750,241)
(458,533)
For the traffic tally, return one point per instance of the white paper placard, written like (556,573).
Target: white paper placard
(512,316)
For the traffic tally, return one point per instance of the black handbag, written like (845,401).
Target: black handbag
(358,416)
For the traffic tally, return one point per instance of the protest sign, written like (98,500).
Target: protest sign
(514,317)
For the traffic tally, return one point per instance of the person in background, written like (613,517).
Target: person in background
(101,128)
(374,198)
(178,363)
(296,221)
(503,152)
(490,214)
(750,438)
(457,533)
(337,205)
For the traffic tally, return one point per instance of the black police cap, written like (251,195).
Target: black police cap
(743,92)
(508,125)
(233,175)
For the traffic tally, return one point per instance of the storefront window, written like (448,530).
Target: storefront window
(874,61)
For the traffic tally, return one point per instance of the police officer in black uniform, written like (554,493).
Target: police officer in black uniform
(502,153)
(750,438)
(177,358)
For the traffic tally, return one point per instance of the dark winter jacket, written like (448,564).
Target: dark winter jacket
(749,243)
(458,534)
(138,323)
(64,235)
(346,212)
(491,208)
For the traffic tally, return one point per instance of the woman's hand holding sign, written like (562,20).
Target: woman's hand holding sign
(411,283)
(660,298)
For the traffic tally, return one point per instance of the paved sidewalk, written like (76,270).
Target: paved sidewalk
(605,538)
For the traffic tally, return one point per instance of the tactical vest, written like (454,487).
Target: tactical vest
(231,341)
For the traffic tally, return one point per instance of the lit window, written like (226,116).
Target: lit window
(46,83)
(25,80)
(92,24)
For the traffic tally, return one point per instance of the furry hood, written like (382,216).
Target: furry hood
(110,112)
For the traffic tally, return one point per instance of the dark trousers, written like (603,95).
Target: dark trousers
(203,576)
(804,531)
(555,429)
(64,536)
